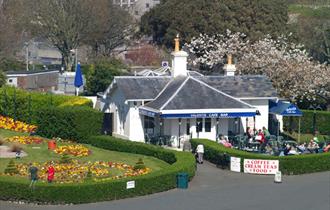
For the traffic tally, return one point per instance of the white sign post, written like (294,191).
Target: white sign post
(130,184)
(261,166)
(235,164)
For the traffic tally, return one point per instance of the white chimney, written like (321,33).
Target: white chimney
(179,60)
(229,67)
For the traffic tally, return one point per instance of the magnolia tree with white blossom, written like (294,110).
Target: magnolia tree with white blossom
(294,74)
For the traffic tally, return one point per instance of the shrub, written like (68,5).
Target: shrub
(298,164)
(72,123)
(322,122)
(139,165)
(11,168)
(65,158)
(23,105)
(90,191)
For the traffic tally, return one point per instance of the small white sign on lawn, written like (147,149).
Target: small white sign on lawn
(130,184)
(235,164)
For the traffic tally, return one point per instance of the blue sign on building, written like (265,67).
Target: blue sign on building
(210,115)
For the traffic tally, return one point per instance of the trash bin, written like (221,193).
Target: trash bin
(51,144)
(182,180)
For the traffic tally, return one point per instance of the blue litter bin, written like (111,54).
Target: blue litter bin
(182,180)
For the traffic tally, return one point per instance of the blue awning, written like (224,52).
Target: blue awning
(284,108)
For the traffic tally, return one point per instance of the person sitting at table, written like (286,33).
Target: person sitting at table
(249,134)
(287,149)
(326,147)
(225,142)
(261,139)
(313,146)
(293,151)
(302,148)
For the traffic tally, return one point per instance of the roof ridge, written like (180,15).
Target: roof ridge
(219,91)
(175,93)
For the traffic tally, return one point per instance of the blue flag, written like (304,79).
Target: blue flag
(78,80)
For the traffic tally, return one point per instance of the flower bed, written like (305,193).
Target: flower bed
(75,150)
(77,172)
(9,124)
(25,139)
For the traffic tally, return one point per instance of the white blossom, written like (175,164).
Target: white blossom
(293,73)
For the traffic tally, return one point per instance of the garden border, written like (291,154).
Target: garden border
(92,191)
(290,165)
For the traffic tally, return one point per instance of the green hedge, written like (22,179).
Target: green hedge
(23,105)
(297,164)
(306,126)
(162,180)
(74,123)
(68,117)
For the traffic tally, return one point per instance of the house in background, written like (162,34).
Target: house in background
(33,80)
(136,8)
(187,105)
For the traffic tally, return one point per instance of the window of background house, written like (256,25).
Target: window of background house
(149,124)
(10,80)
(199,124)
(147,5)
(207,124)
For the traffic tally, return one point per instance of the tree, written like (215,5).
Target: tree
(2,78)
(189,18)
(112,28)
(65,23)
(314,33)
(12,32)
(293,73)
(100,74)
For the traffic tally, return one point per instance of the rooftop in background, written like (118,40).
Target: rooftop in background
(24,72)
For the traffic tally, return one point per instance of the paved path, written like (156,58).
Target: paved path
(213,188)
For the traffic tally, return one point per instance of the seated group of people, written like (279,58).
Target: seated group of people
(312,147)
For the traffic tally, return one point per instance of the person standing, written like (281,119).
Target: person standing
(200,153)
(33,170)
(50,173)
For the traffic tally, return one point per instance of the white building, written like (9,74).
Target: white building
(187,105)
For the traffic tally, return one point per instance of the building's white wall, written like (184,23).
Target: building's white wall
(135,125)
(116,105)
(263,107)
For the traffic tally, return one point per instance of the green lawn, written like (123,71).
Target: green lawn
(42,154)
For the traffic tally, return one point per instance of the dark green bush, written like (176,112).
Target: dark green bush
(74,123)
(322,122)
(23,105)
(68,117)
(91,191)
(139,165)
(11,168)
(298,164)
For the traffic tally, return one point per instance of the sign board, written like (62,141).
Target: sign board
(130,184)
(261,166)
(235,164)
(164,63)
(210,115)
(147,113)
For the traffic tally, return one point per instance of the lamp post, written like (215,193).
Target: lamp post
(75,51)
(27,55)
(217,131)
(314,107)
(179,133)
